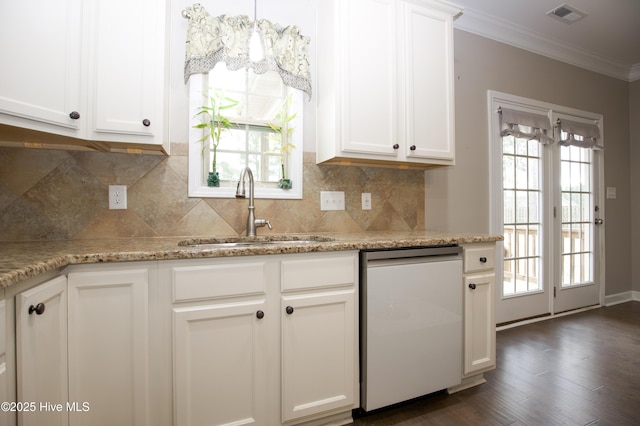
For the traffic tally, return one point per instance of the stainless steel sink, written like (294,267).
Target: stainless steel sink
(253,241)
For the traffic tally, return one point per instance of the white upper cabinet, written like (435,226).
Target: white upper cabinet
(127,68)
(385,82)
(40,45)
(92,70)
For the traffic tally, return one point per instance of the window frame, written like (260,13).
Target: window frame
(197,187)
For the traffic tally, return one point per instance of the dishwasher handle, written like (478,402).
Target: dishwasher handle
(411,253)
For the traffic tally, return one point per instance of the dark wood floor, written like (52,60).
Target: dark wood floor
(580,369)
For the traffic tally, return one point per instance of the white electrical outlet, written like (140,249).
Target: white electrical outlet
(366,201)
(117,197)
(331,200)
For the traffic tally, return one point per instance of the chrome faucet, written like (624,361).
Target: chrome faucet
(252,222)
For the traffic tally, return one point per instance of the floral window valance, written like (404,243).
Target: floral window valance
(226,39)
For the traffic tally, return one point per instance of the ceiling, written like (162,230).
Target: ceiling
(606,41)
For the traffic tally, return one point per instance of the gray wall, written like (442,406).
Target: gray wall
(634,115)
(457,198)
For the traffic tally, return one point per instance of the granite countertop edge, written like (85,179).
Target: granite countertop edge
(23,260)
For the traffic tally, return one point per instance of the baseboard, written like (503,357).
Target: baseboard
(467,383)
(627,296)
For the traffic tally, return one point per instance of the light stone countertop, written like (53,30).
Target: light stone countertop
(23,260)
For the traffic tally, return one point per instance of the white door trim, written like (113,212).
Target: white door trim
(494,99)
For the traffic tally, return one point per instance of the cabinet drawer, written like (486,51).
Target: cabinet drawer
(479,258)
(217,281)
(326,271)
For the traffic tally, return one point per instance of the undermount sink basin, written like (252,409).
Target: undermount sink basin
(253,241)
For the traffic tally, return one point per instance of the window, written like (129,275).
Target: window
(257,106)
(577,218)
(521,165)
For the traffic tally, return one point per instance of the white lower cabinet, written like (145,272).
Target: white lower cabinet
(221,364)
(479,323)
(479,313)
(261,340)
(264,340)
(83,348)
(317,353)
(41,339)
(108,347)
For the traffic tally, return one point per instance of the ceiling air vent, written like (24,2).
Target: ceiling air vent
(566,13)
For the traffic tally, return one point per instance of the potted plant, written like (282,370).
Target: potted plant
(214,123)
(282,130)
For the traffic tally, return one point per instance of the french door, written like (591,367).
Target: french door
(545,197)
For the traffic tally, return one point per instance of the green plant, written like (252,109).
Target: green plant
(282,130)
(214,122)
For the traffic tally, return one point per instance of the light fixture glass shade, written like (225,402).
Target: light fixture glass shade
(256,44)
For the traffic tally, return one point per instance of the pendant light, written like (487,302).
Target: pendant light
(256,39)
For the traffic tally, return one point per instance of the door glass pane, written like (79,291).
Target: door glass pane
(522,227)
(577,215)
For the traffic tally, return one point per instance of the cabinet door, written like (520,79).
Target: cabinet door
(41,338)
(368,52)
(426,94)
(318,350)
(126,70)
(220,364)
(108,347)
(40,44)
(479,323)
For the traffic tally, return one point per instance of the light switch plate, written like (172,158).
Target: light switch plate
(331,200)
(611,192)
(366,201)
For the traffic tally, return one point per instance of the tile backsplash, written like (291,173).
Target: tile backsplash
(52,194)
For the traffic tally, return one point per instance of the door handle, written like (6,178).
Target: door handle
(599,221)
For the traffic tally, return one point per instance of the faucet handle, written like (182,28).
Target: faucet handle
(263,222)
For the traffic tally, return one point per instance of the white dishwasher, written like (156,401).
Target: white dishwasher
(411,323)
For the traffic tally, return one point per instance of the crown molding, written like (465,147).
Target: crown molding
(484,25)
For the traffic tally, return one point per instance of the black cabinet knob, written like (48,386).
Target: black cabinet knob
(289,310)
(412,147)
(38,309)
(74,115)
(146,122)
(483,259)
(396,146)
(260,314)
(472,286)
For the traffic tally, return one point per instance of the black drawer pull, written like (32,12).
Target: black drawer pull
(38,309)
